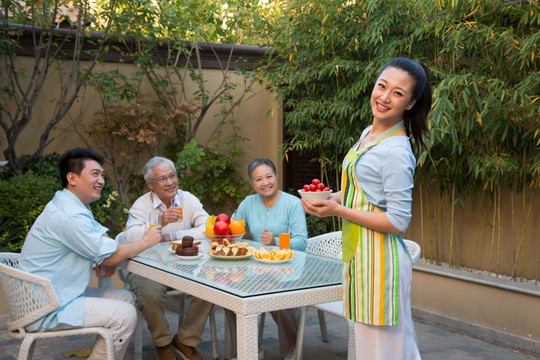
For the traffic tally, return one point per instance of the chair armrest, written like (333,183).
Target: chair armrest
(29,297)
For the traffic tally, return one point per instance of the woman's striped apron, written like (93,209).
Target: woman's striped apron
(371,262)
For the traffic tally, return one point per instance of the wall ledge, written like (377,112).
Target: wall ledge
(484,279)
(476,331)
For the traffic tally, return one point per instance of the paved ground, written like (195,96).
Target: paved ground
(434,343)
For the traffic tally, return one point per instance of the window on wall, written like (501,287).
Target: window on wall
(299,170)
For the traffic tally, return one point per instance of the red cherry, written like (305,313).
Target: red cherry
(312,187)
(315,182)
(321,186)
(326,189)
(306,187)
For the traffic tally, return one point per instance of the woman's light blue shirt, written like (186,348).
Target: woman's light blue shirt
(385,173)
(62,246)
(286,214)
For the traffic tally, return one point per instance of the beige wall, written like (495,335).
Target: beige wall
(259,118)
(494,307)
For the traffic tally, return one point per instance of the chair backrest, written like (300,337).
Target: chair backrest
(29,297)
(414,249)
(10,259)
(328,245)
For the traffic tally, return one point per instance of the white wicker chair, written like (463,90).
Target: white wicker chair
(414,250)
(30,297)
(330,245)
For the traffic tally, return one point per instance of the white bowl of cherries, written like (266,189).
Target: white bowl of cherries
(315,191)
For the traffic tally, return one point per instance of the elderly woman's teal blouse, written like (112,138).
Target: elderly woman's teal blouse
(286,215)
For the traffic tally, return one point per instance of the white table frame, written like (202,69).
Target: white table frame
(247,309)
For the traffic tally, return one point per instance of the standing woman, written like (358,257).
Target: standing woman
(375,205)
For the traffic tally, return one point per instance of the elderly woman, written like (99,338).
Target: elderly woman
(267,213)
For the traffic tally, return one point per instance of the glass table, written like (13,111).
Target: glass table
(246,286)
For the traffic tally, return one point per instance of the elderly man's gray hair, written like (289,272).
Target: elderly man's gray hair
(147,170)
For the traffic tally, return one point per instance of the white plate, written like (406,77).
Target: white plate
(187,257)
(224,257)
(273,261)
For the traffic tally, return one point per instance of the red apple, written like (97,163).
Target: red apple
(223,217)
(221,228)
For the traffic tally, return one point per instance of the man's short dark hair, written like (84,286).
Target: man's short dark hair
(73,161)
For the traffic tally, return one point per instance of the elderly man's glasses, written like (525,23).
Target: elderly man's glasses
(163,179)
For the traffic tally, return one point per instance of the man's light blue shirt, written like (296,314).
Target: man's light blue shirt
(62,246)
(286,215)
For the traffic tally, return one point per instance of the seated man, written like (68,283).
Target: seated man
(62,246)
(163,202)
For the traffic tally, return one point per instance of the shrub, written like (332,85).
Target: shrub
(23,198)
(211,176)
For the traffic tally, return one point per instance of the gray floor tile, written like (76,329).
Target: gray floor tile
(434,343)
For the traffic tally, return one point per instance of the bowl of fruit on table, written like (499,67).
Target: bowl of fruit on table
(223,227)
(315,191)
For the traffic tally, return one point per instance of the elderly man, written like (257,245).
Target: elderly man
(180,214)
(64,243)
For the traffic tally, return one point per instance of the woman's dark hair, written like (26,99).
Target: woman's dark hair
(260,161)
(73,161)
(415,119)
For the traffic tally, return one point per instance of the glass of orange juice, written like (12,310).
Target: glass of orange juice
(181,216)
(153,220)
(285,240)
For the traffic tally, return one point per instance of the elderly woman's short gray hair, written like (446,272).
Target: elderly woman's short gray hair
(258,162)
(147,170)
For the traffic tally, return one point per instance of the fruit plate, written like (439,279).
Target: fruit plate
(219,238)
(223,257)
(274,261)
(198,256)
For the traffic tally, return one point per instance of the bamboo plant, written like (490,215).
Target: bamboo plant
(485,129)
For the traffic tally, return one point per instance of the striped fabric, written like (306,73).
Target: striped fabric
(371,262)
